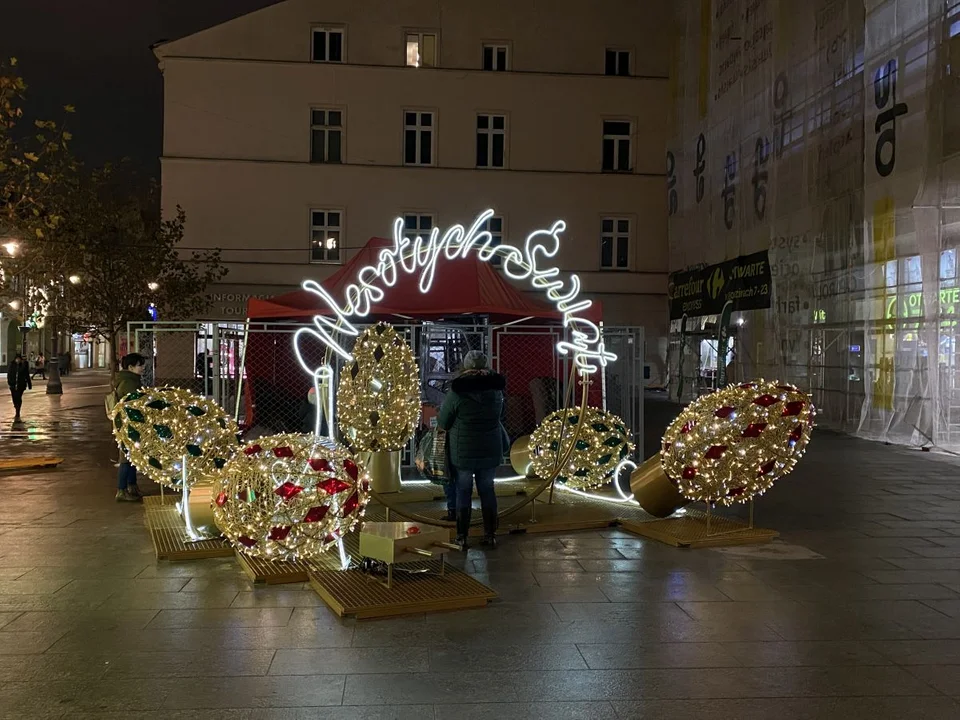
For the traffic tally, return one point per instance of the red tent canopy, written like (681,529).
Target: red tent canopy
(463,286)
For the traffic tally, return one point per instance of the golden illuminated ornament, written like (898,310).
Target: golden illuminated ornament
(602,443)
(291,496)
(158,427)
(378,398)
(730,445)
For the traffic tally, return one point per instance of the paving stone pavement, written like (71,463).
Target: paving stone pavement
(855,614)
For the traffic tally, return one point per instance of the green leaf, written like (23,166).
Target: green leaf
(155,463)
(624,451)
(133,433)
(163,431)
(134,414)
(194,450)
(158,405)
(583,445)
(218,463)
(573,419)
(118,421)
(196,411)
(604,459)
(613,441)
(600,427)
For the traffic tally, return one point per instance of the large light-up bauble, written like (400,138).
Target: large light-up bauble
(158,427)
(286,497)
(378,399)
(602,443)
(730,445)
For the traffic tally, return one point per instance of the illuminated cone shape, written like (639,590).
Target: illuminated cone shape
(378,398)
(291,504)
(157,427)
(602,443)
(733,444)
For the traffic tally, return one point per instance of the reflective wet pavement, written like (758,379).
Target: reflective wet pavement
(854,615)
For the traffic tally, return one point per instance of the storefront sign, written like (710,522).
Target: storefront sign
(744,282)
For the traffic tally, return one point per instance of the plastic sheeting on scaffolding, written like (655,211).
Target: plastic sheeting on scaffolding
(828,133)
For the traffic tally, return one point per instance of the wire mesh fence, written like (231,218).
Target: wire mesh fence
(251,370)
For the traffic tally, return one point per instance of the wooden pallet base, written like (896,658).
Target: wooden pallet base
(169,536)
(272,572)
(29,463)
(354,593)
(691,531)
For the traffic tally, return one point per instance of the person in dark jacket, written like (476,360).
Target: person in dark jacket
(18,378)
(472,414)
(126,381)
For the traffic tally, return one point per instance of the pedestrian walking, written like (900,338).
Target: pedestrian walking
(126,381)
(40,367)
(18,378)
(472,414)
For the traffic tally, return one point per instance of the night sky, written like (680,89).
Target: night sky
(95,54)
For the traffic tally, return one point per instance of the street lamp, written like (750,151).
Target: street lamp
(11,246)
(153,287)
(74,279)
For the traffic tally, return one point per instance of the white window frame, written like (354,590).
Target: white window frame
(420,128)
(617,140)
(327,227)
(340,30)
(490,132)
(614,235)
(616,63)
(419,215)
(494,48)
(420,35)
(326,128)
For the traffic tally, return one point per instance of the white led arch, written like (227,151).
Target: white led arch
(531,262)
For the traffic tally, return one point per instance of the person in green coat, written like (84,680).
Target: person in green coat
(472,414)
(126,381)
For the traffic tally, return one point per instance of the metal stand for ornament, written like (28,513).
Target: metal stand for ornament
(720,533)
(194,533)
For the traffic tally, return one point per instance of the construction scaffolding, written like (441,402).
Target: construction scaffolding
(826,132)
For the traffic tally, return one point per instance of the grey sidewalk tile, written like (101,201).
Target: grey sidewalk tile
(26,643)
(506,657)
(920,652)
(349,661)
(945,678)
(831,708)
(135,600)
(430,687)
(229,617)
(527,711)
(641,654)
(275,597)
(829,653)
(215,663)
(252,692)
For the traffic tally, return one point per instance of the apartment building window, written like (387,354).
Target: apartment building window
(326,227)
(494,226)
(328,44)
(614,243)
(417,137)
(415,224)
(421,49)
(326,136)
(617,62)
(616,146)
(495,57)
(491,140)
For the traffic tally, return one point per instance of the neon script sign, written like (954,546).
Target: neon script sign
(421,256)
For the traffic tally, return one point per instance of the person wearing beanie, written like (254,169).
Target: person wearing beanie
(472,414)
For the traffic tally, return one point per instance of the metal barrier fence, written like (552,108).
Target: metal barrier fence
(251,369)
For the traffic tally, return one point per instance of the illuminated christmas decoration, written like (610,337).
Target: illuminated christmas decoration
(733,444)
(158,427)
(286,497)
(379,392)
(602,443)
(421,255)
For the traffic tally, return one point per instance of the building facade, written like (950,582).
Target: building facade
(823,133)
(294,134)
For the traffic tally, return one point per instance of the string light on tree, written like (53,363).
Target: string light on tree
(379,392)
(602,443)
(733,444)
(287,497)
(158,427)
